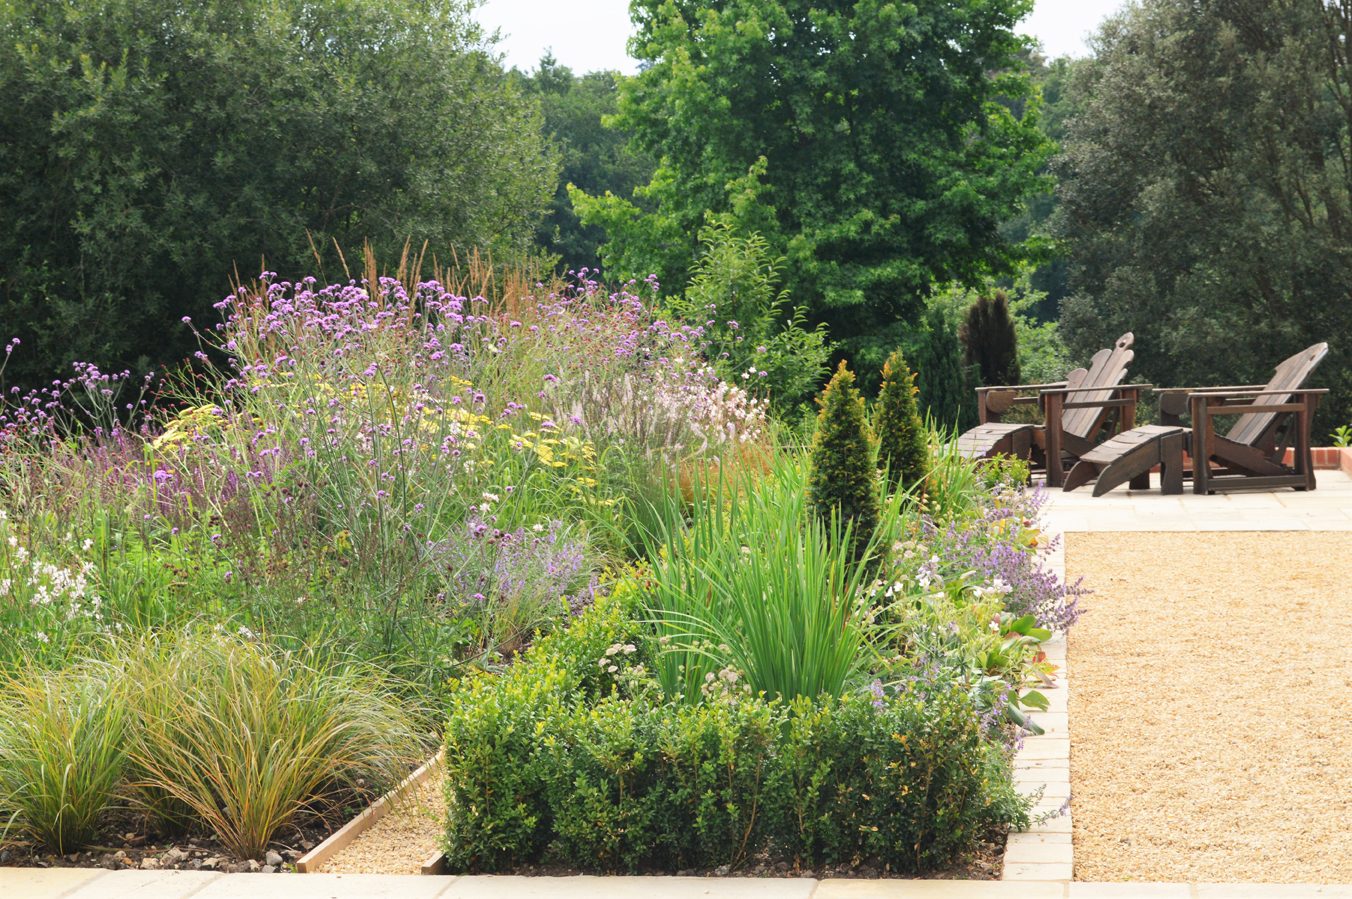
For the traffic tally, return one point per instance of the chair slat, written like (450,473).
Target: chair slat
(1290,375)
(1108,370)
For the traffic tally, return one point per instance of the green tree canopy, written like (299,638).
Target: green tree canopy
(1206,191)
(864,140)
(151,149)
(594,158)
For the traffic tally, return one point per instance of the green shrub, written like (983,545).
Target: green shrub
(254,736)
(630,781)
(498,814)
(61,756)
(947,392)
(843,476)
(901,434)
(991,341)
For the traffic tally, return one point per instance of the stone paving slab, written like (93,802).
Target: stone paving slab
(325,886)
(938,889)
(136,884)
(39,883)
(1273,891)
(1130,891)
(586,887)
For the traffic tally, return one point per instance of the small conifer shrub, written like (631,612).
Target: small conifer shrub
(843,471)
(901,435)
(990,340)
(947,392)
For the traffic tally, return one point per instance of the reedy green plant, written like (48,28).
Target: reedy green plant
(901,435)
(254,735)
(759,593)
(61,755)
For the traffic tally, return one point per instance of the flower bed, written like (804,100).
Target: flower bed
(421,497)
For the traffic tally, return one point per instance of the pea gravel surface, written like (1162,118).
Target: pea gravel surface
(1210,723)
(402,840)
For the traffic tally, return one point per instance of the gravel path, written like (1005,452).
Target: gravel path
(1211,730)
(402,840)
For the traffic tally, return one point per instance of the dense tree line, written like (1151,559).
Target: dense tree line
(1205,196)
(153,150)
(871,144)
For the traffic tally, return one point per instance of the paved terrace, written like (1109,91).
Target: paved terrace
(1038,864)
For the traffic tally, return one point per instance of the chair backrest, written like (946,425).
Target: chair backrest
(1253,427)
(1106,371)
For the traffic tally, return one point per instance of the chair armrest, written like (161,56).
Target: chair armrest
(1021,387)
(1065,391)
(1236,393)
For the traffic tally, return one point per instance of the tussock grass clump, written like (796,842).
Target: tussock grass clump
(61,756)
(247,737)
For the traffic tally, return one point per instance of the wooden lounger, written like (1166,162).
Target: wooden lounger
(1249,455)
(1129,456)
(1075,411)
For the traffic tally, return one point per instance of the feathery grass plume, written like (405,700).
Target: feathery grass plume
(257,735)
(60,755)
(901,434)
(843,475)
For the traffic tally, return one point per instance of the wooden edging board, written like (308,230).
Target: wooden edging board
(313,860)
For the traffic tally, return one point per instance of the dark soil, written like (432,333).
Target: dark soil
(985,861)
(129,844)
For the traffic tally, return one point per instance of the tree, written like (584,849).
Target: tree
(1206,191)
(593,158)
(842,484)
(863,140)
(152,150)
(946,393)
(901,436)
(990,341)
(732,300)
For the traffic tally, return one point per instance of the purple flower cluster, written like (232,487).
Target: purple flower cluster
(490,568)
(991,544)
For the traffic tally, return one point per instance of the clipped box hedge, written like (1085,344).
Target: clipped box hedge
(559,757)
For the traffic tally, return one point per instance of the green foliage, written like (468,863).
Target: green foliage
(627,781)
(843,483)
(157,151)
(748,334)
(760,593)
(864,142)
(1043,356)
(946,393)
(901,434)
(592,158)
(61,756)
(990,341)
(1204,193)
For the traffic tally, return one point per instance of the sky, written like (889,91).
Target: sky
(590,34)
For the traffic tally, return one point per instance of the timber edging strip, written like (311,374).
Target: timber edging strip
(313,860)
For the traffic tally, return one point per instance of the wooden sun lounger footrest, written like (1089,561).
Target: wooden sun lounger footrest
(1129,456)
(995,438)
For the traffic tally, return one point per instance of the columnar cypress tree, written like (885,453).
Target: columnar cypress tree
(901,435)
(990,341)
(946,393)
(842,460)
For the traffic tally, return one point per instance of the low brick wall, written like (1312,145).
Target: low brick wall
(1327,458)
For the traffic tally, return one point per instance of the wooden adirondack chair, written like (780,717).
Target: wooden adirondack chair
(1075,410)
(1249,455)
